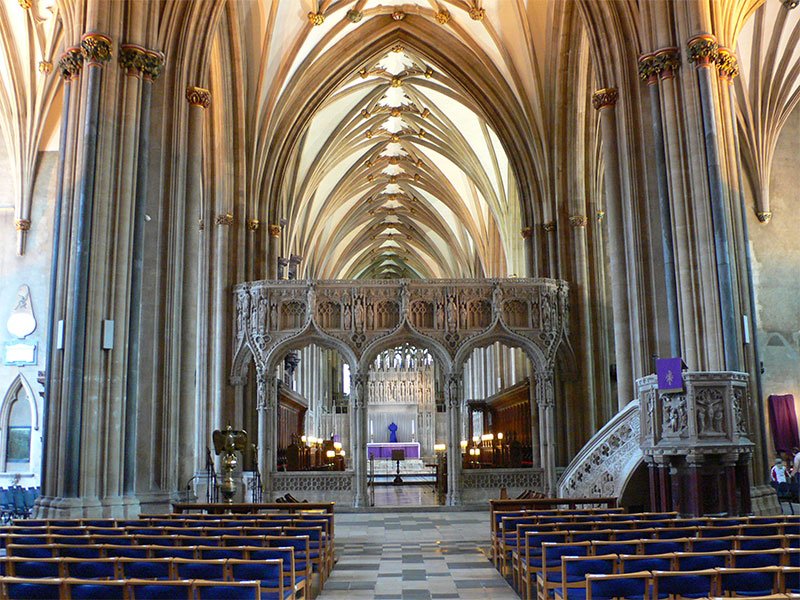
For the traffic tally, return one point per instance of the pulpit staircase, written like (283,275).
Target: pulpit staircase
(605,464)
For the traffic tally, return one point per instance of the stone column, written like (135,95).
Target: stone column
(453,402)
(274,250)
(536,443)
(649,68)
(359,405)
(96,49)
(605,100)
(729,70)
(545,399)
(702,51)
(266,403)
(222,411)
(530,251)
(69,67)
(190,406)
(147,64)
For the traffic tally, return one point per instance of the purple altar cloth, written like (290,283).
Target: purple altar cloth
(384,450)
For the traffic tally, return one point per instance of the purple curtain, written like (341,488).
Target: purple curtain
(783,421)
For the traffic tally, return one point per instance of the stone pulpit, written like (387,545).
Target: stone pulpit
(695,443)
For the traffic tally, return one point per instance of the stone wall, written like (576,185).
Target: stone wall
(775,248)
(33,270)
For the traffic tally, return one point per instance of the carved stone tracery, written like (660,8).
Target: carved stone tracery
(358,315)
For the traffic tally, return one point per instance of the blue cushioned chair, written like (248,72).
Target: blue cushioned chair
(112,550)
(754,559)
(240,590)
(575,569)
(269,573)
(161,590)
(636,563)
(106,590)
(30,551)
(209,553)
(211,570)
(712,544)
(684,584)
(34,569)
(172,551)
(16,589)
(630,586)
(152,568)
(103,568)
(79,551)
(748,582)
(698,561)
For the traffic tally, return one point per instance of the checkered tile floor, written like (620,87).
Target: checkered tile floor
(414,556)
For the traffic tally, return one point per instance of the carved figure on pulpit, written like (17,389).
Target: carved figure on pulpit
(392,433)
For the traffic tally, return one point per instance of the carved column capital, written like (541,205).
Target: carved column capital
(605,98)
(316,18)
(96,48)
(70,63)
(131,58)
(354,15)
(790,4)
(550,226)
(22,224)
(669,61)
(197,96)
(253,224)
(578,220)
(649,68)
(153,64)
(443,16)
(764,216)
(45,67)
(274,230)
(224,219)
(527,233)
(702,50)
(727,65)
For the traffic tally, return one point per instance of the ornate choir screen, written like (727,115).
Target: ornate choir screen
(403,348)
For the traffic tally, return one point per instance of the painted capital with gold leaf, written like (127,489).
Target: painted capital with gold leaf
(153,64)
(669,61)
(549,226)
(70,63)
(198,96)
(649,68)
(96,48)
(131,58)
(727,65)
(22,224)
(527,233)
(253,224)
(355,15)
(226,219)
(316,18)
(604,97)
(274,230)
(578,220)
(764,216)
(702,50)
(443,17)
(45,67)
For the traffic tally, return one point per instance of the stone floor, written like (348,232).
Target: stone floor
(414,555)
(405,495)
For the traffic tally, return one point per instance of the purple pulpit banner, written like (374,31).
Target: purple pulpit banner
(668,371)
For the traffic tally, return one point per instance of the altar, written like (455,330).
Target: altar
(383,450)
